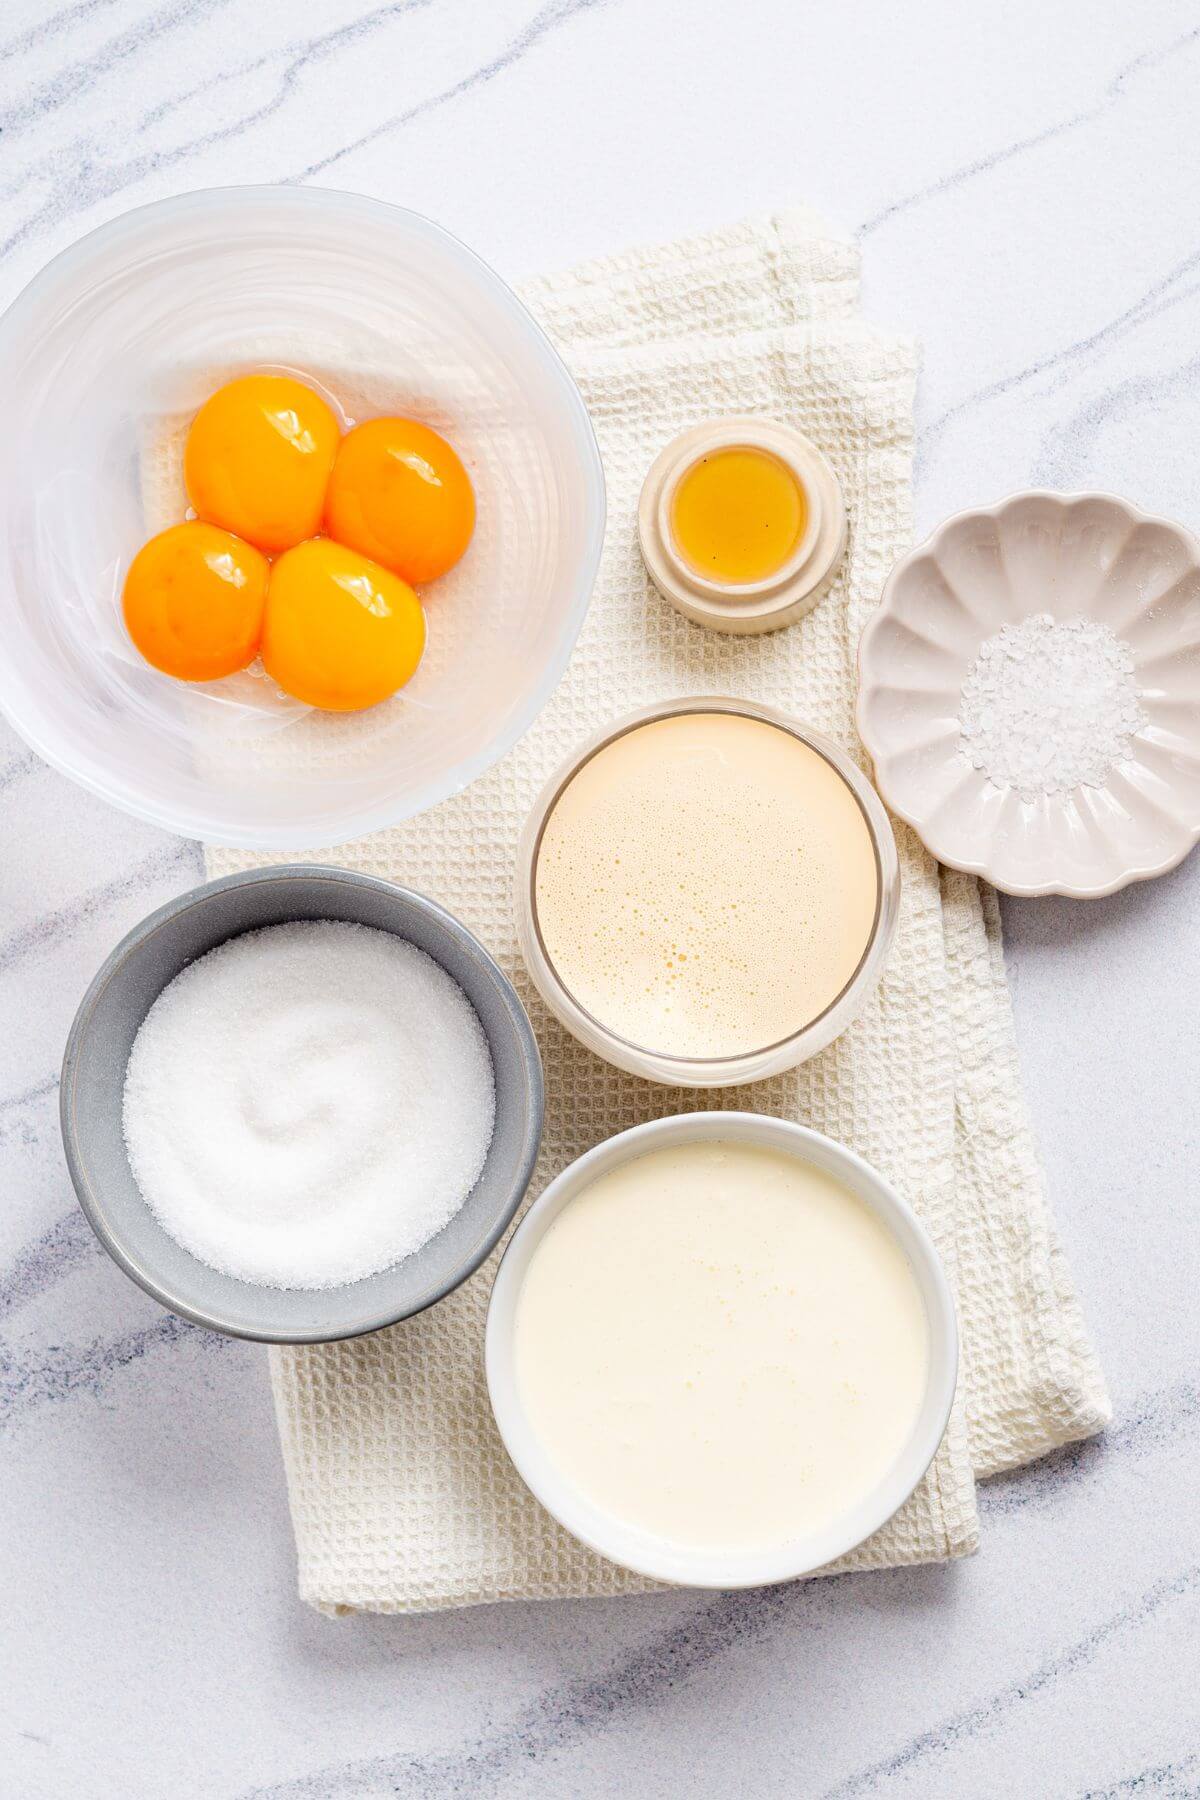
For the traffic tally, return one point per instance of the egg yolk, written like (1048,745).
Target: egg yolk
(193,601)
(258,457)
(399,494)
(339,632)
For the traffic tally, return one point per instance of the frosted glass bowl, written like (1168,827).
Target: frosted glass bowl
(104,358)
(1070,557)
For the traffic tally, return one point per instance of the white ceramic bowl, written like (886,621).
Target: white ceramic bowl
(658,1557)
(1071,556)
(103,360)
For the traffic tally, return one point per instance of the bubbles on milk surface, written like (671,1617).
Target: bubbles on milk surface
(706,885)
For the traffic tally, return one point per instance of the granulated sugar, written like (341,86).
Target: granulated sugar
(1048,706)
(309,1103)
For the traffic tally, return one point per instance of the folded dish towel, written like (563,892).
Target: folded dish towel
(402,1497)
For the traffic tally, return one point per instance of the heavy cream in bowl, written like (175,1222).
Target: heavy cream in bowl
(721,1350)
(708,893)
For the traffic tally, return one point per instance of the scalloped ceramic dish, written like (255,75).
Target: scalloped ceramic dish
(1071,556)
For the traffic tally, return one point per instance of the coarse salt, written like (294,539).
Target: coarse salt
(1049,705)
(308,1104)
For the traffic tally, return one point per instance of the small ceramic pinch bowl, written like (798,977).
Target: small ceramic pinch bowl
(649,1554)
(795,587)
(93,1081)
(1064,558)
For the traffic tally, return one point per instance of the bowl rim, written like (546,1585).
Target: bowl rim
(56,275)
(869,685)
(90,1202)
(640,1551)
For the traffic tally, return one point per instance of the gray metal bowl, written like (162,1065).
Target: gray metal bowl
(93,1080)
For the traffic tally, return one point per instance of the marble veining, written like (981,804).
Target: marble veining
(1182,1777)
(983,165)
(57,1372)
(548,19)
(1163,294)
(1026,203)
(48,1258)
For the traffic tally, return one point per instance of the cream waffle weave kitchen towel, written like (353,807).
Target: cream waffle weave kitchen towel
(402,1497)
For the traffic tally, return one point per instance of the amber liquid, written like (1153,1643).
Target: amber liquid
(738,515)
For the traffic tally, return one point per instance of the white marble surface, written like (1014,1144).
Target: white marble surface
(1024,183)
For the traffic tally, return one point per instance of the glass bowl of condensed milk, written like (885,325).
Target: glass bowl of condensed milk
(707,892)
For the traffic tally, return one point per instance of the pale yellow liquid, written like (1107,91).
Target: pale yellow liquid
(721,1345)
(706,885)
